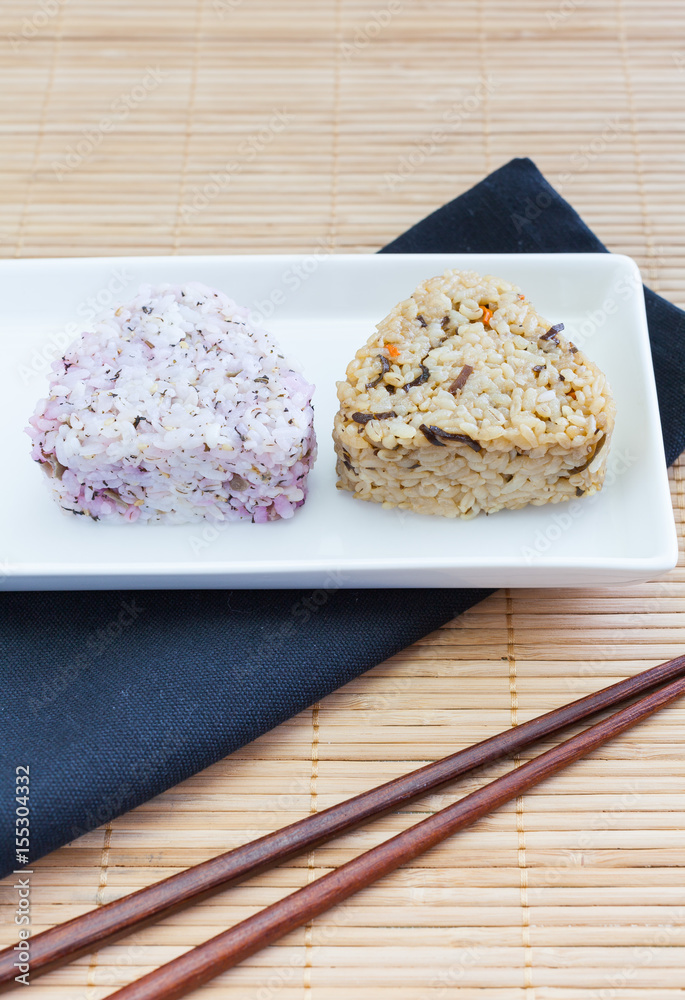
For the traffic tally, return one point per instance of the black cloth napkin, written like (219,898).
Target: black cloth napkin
(109,697)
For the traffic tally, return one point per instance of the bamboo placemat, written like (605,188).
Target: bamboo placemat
(260,125)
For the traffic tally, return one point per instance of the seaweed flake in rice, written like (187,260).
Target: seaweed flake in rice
(175,408)
(467,400)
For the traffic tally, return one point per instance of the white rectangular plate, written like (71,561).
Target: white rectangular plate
(321,308)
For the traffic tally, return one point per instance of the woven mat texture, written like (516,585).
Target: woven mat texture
(167,126)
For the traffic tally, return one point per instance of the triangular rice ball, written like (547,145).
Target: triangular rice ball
(467,400)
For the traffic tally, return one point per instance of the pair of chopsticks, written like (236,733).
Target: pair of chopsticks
(227,949)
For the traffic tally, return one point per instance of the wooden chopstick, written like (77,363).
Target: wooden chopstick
(68,940)
(227,949)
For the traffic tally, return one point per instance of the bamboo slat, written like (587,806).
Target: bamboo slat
(118,123)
